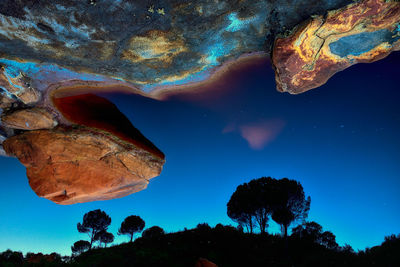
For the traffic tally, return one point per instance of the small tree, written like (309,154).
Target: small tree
(131,225)
(94,222)
(80,246)
(104,237)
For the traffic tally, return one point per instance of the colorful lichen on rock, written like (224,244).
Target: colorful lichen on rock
(358,33)
(17,86)
(148,44)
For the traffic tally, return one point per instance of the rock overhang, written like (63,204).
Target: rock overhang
(69,165)
(148,45)
(76,147)
(55,53)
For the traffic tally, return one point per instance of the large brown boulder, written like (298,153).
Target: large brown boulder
(71,165)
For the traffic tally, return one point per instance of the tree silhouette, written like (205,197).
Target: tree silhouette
(104,237)
(346,248)
(328,239)
(13,258)
(80,246)
(289,203)
(261,190)
(251,204)
(240,207)
(131,225)
(312,232)
(94,222)
(153,232)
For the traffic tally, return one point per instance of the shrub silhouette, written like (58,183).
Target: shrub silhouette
(131,225)
(94,222)
(153,232)
(312,232)
(80,246)
(13,258)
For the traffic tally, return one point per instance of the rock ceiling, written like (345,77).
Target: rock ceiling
(55,54)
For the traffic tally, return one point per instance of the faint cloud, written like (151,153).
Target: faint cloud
(231,127)
(258,134)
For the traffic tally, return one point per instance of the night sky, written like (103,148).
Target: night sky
(340,141)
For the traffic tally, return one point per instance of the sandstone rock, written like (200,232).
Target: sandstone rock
(99,113)
(205,263)
(71,165)
(358,33)
(5,101)
(20,87)
(29,119)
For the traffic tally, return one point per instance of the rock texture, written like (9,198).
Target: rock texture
(148,43)
(68,166)
(358,33)
(29,119)
(19,87)
(94,154)
(98,113)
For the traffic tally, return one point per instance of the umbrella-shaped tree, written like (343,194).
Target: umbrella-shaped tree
(131,225)
(94,222)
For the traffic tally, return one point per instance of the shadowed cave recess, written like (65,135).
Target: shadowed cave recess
(55,55)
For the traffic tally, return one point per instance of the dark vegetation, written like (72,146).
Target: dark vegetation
(249,244)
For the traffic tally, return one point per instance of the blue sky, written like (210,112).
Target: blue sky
(340,141)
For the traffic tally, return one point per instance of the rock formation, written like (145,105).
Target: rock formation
(78,147)
(18,87)
(94,154)
(146,43)
(71,165)
(29,119)
(358,33)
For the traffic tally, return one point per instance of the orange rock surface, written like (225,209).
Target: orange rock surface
(29,119)
(71,165)
(358,33)
(98,113)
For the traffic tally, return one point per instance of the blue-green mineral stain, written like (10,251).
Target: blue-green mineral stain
(361,43)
